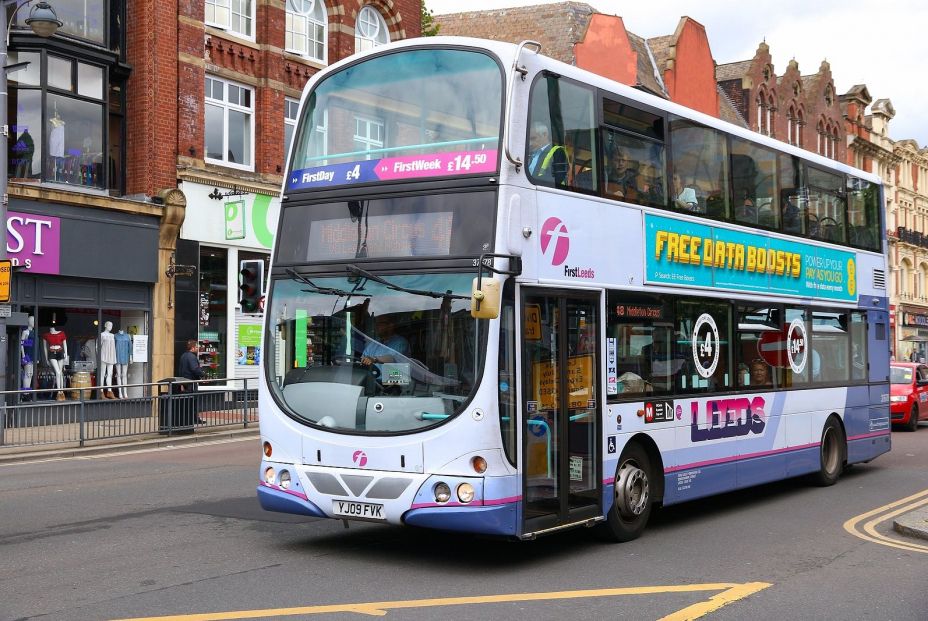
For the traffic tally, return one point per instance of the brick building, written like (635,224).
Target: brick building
(239,77)
(122,125)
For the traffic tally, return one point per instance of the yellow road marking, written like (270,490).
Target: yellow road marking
(868,531)
(730,592)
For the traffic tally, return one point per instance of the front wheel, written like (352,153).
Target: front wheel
(631,506)
(913,419)
(831,454)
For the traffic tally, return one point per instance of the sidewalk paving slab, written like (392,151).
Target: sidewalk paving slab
(18,454)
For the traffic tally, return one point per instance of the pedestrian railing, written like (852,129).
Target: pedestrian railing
(81,415)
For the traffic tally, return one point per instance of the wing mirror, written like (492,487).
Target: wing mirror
(485,298)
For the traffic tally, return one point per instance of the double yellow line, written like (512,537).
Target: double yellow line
(864,525)
(727,594)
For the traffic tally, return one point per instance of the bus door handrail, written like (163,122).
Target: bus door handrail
(522,71)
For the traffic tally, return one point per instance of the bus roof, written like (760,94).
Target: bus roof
(506,53)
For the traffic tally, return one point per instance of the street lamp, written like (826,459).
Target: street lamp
(44,22)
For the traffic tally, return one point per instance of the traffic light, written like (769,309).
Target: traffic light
(251,279)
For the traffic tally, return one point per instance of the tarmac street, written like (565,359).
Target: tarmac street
(176,532)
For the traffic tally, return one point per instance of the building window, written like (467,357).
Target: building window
(229,124)
(306,28)
(291,106)
(370,31)
(67,144)
(236,16)
(87,19)
(368,134)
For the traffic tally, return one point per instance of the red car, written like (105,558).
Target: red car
(908,394)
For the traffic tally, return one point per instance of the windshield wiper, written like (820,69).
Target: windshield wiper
(323,290)
(354,269)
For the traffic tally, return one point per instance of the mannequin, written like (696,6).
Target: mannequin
(107,359)
(56,145)
(55,343)
(26,353)
(123,358)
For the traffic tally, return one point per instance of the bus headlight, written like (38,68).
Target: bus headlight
(284,480)
(442,493)
(465,492)
(269,476)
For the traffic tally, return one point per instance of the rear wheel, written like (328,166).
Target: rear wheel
(913,419)
(831,454)
(631,506)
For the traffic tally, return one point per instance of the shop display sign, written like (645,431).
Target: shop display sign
(140,348)
(6,272)
(249,344)
(235,220)
(34,242)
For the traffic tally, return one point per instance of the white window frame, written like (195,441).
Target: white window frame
(291,107)
(226,107)
(370,30)
(369,143)
(225,22)
(309,23)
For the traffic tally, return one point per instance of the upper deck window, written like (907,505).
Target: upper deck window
(406,115)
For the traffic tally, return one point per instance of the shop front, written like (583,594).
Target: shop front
(913,334)
(82,299)
(220,238)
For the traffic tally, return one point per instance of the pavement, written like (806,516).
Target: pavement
(911,524)
(21,454)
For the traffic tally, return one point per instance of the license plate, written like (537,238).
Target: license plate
(362,510)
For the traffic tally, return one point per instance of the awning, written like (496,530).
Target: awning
(915,338)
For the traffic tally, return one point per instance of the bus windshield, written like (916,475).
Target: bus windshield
(419,113)
(369,353)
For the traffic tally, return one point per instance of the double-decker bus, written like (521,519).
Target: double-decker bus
(510,297)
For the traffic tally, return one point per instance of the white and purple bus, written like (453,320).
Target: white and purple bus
(510,297)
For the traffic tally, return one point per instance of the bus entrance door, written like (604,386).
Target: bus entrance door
(562,482)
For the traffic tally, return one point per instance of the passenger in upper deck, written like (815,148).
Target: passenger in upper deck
(623,179)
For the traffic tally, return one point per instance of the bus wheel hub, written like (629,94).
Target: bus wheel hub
(632,491)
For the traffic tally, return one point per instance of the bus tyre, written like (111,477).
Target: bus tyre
(631,506)
(831,453)
(913,419)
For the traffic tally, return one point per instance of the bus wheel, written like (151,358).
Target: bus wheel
(831,454)
(631,507)
(913,419)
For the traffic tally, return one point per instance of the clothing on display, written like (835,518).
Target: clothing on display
(27,341)
(55,342)
(123,347)
(107,348)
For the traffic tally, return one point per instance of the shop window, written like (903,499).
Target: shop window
(213,311)
(370,30)
(74,133)
(229,124)
(306,28)
(700,165)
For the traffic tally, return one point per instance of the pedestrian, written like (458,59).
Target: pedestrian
(190,369)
